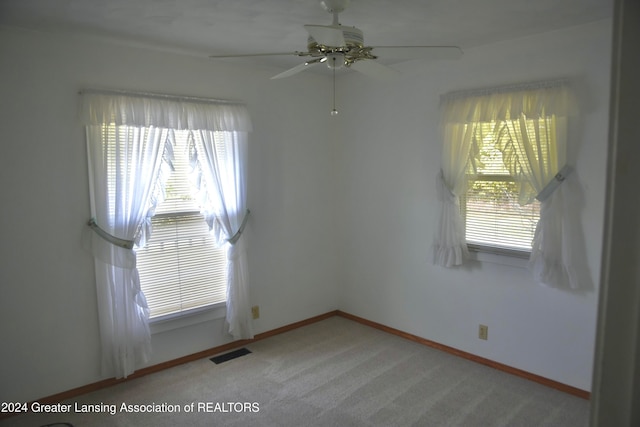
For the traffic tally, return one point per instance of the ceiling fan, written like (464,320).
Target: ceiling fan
(340,46)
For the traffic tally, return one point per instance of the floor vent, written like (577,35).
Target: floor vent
(229,356)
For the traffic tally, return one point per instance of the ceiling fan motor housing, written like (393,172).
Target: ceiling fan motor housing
(350,51)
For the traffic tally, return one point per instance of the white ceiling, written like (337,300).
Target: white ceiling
(204,27)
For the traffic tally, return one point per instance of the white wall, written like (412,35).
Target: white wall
(48,319)
(344,208)
(389,209)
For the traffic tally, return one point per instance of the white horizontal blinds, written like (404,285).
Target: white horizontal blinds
(116,154)
(111,153)
(180,268)
(493,216)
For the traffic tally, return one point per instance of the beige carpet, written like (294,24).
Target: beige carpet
(332,373)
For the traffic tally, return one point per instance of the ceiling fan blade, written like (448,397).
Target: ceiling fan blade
(295,70)
(417,52)
(326,35)
(373,68)
(248,55)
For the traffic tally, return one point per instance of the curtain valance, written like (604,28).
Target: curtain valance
(534,100)
(163,111)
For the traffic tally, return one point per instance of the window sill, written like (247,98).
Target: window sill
(181,320)
(497,256)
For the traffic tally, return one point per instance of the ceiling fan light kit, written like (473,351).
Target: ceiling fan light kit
(335,60)
(343,47)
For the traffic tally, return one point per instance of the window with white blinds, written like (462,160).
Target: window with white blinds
(180,267)
(494,220)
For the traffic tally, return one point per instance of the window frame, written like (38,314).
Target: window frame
(178,212)
(475,248)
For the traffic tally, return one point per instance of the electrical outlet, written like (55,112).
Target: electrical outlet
(255,311)
(483,332)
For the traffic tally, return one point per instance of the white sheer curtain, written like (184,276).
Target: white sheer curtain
(450,247)
(126,181)
(531,122)
(220,164)
(534,150)
(121,208)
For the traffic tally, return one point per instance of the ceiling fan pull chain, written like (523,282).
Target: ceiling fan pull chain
(334,112)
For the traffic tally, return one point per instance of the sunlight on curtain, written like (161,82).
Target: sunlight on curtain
(535,150)
(532,136)
(450,247)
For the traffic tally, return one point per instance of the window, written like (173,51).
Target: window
(494,219)
(130,144)
(180,267)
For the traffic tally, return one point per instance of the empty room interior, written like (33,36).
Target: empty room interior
(343,212)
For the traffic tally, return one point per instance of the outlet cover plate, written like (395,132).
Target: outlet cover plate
(483,332)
